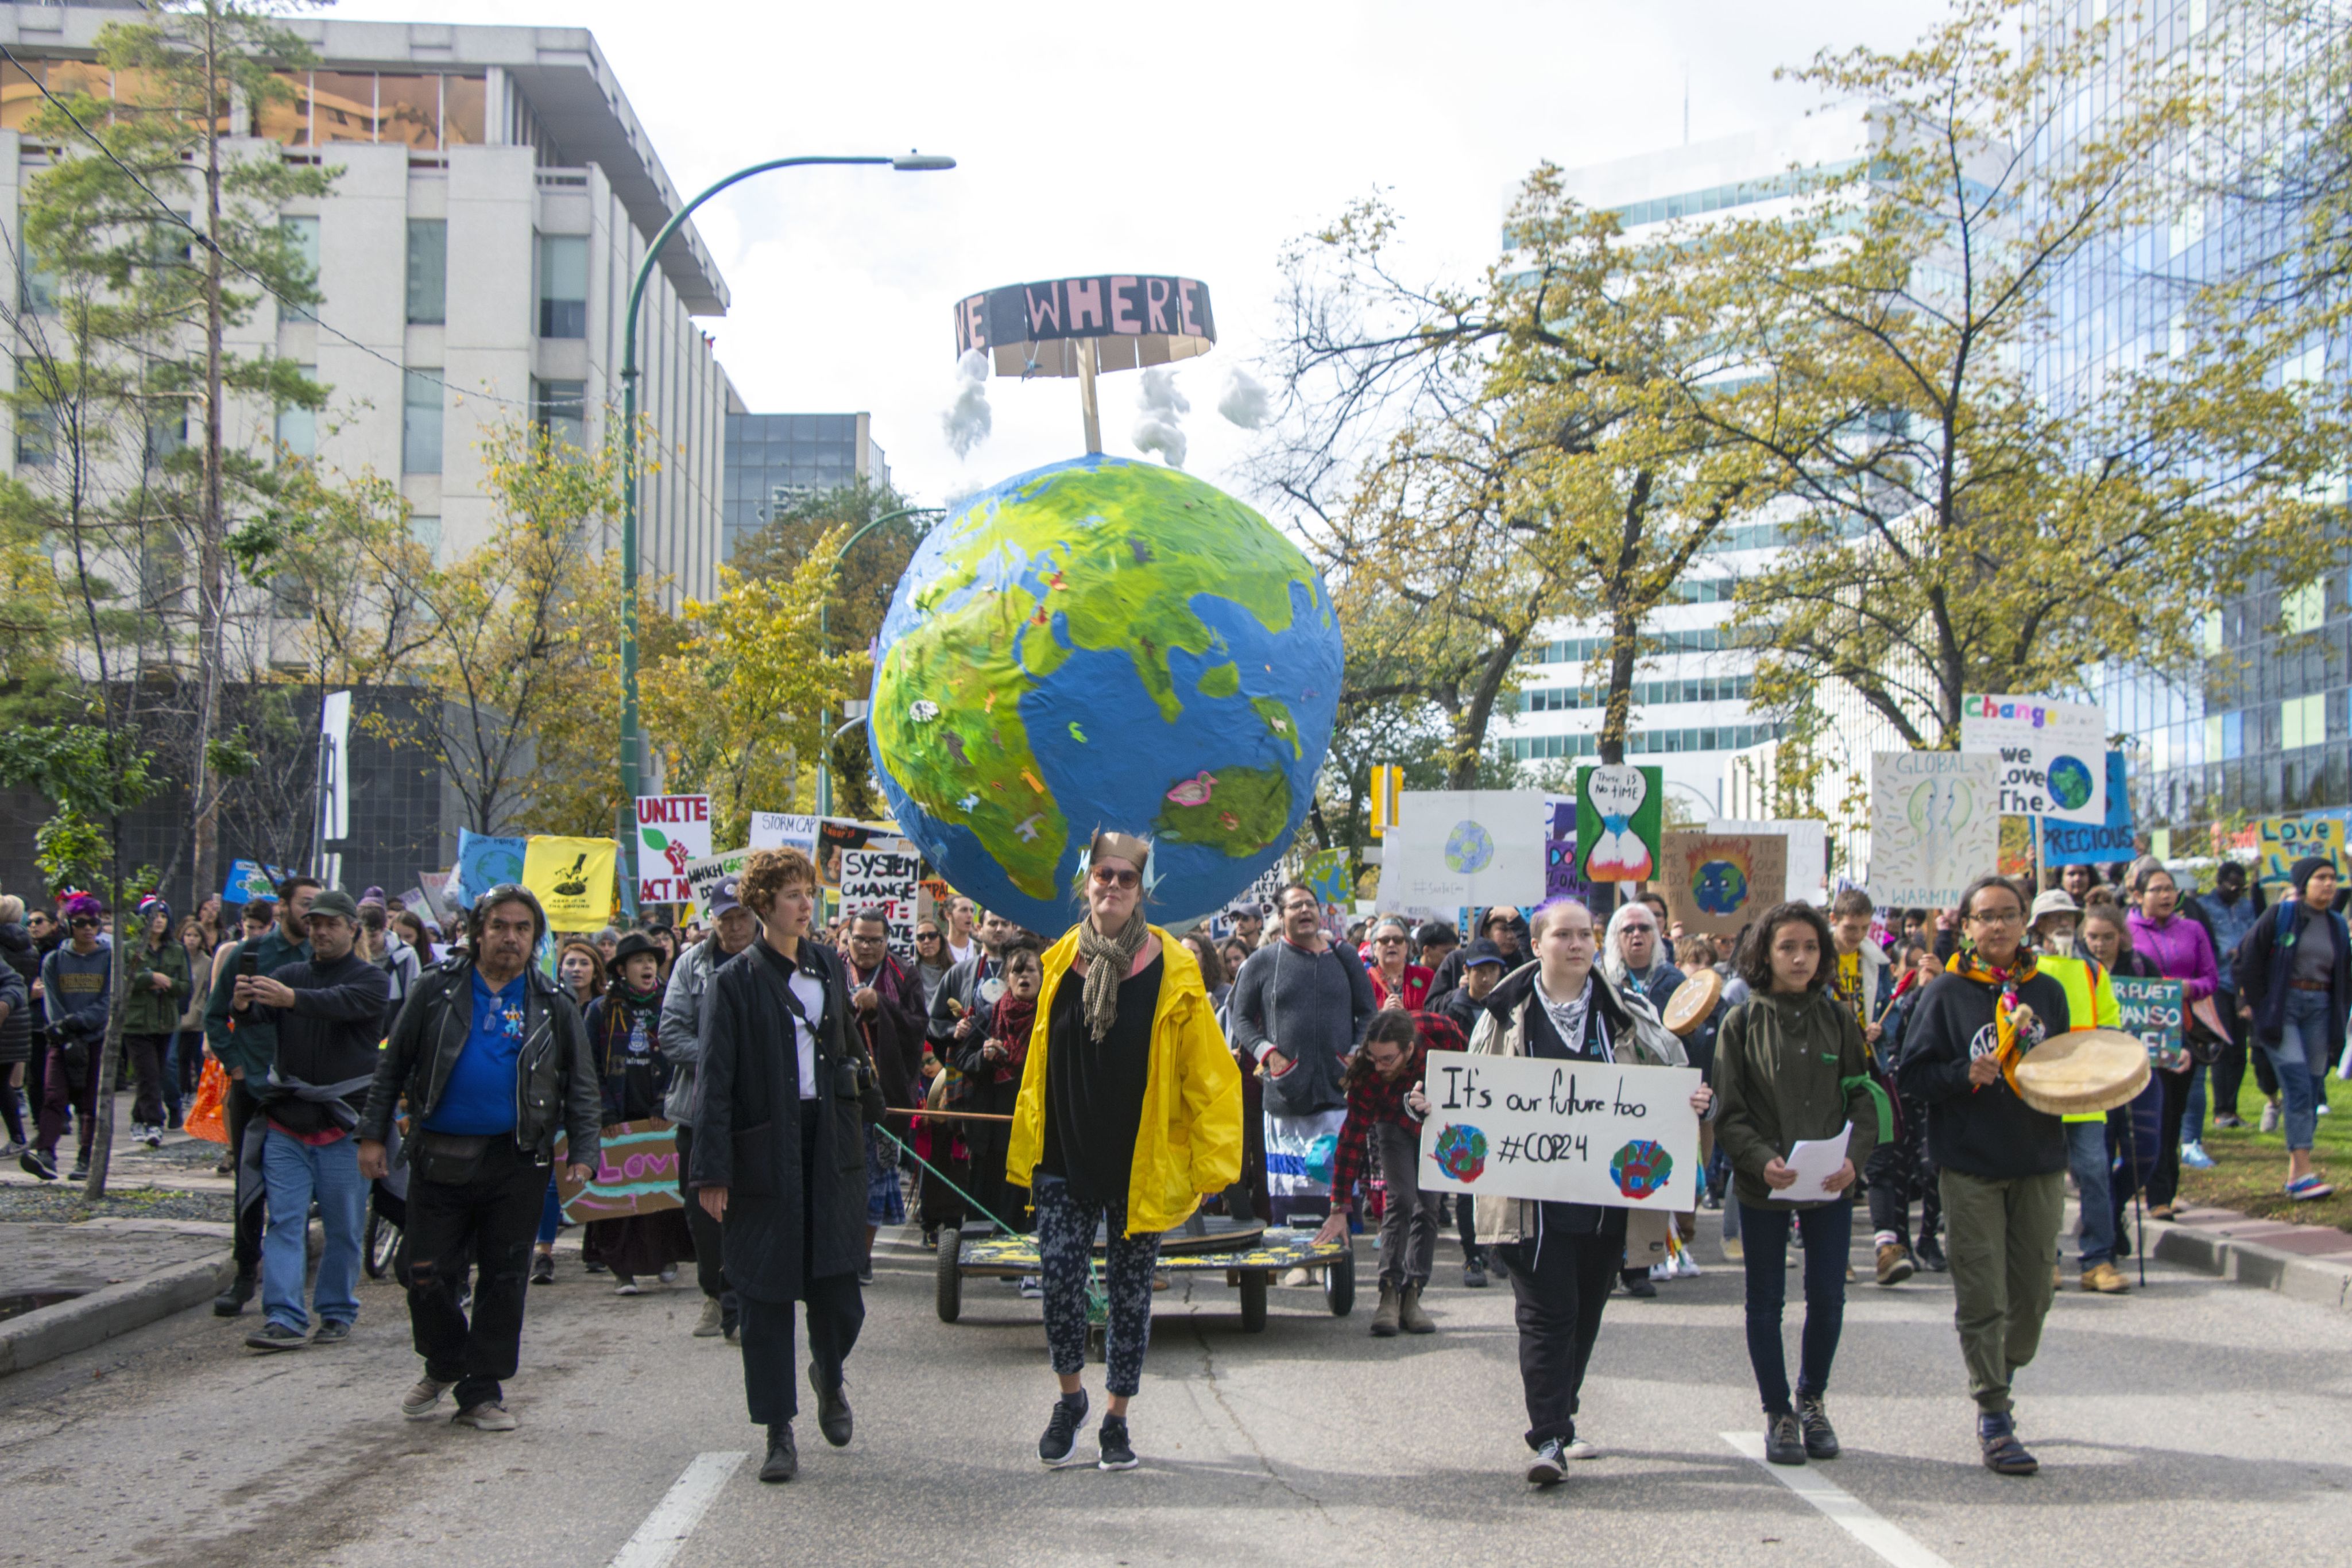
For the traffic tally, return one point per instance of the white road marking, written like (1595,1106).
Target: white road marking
(1843,1509)
(679,1511)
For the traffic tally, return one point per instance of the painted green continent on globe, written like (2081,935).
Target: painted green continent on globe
(1103,643)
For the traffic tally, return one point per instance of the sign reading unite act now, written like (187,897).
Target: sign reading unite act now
(1563,1132)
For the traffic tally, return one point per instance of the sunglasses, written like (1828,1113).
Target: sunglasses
(81,921)
(927,935)
(1116,876)
(1389,940)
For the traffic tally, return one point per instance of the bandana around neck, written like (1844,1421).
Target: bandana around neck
(2007,1024)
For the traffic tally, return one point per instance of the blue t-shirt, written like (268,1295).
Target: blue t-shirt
(480,1094)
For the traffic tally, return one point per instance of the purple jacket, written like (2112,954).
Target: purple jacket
(2181,951)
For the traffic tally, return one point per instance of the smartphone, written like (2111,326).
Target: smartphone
(248,962)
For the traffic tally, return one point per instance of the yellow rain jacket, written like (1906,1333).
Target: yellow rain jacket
(1190,1141)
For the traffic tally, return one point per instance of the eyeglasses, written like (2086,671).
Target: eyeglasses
(1116,876)
(1389,941)
(1998,917)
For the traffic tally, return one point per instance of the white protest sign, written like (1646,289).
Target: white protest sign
(782,830)
(672,830)
(2053,756)
(1808,850)
(889,878)
(1935,826)
(703,876)
(1565,1132)
(1452,847)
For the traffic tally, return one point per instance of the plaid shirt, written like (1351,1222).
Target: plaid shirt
(1372,1098)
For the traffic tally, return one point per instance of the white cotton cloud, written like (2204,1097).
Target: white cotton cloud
(1244,401)
(968,419)
(1159,408)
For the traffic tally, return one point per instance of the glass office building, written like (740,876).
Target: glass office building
(775,459)
(2261,729)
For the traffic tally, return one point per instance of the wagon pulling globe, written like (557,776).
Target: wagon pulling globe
(1103,643)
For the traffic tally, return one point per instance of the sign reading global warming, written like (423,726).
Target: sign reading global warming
(1935,825)
(1565,1132)
(2053,755)
(672,830)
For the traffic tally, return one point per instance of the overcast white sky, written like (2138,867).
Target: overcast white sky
(1195,140)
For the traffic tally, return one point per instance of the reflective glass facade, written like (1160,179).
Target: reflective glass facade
(2259,728)
(774,459)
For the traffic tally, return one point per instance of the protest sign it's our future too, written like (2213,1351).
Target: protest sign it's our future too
(1563,1132)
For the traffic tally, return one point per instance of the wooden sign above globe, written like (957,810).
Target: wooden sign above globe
(1133,319)
(1104,643)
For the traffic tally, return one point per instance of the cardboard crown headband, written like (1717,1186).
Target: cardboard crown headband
(1127,847)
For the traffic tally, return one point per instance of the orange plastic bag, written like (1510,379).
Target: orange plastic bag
(204,1119)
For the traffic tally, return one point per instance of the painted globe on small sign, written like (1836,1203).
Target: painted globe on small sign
(1469,848)
(2070,782)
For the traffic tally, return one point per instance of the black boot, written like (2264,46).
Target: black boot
(231,1301)
(784,1460)
(832,1408)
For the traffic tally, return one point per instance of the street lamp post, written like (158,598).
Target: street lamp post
(824,646)
(632,739)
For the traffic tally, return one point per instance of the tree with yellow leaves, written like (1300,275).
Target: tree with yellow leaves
(735,709)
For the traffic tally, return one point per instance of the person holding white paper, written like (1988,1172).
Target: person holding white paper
(1791,1066)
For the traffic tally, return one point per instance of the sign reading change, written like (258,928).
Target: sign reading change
(1564,1131)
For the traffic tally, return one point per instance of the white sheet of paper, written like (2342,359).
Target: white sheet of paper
(1814,1161)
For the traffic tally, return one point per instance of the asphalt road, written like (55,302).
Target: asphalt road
(2198,1422)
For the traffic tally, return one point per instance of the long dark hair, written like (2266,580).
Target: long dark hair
(1433,1032)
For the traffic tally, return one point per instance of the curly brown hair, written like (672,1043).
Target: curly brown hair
(767,872)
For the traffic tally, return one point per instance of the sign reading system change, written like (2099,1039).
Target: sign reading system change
(1565,1132)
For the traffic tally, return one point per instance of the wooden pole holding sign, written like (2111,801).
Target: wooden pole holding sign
(1088,404)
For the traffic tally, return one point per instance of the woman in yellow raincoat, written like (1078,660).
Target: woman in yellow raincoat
(1131,1113)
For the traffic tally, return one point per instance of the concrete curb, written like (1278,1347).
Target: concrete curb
(61,1330)
(2213,1250)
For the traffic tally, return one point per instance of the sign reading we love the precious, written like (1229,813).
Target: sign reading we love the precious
(1565,1132)
(636,1173)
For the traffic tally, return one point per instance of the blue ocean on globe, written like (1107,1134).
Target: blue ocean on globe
(1469,848)
(2070,782)
(1103,643)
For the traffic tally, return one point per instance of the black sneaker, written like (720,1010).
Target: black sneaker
(1637,1284)
(866,1272)
(1821,1438)
(1110,1440)
(80,1173)
(1060,1443)
(542,1269)
(34,1163)
(1550,1462)
(333,1333)
(1474,1275)
(1784,1441)
(275,1336)
(1930,1253)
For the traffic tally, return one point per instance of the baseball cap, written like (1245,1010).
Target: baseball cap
(335,901)
(1482,952)
(722,897)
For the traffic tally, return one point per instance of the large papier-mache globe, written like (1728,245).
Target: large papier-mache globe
(1103,643)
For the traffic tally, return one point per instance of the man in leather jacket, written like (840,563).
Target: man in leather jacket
(491,1058)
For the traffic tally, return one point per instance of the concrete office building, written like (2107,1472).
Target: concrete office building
(495,198)
(1692,693)
(774,460)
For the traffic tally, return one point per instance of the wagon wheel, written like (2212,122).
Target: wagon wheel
(951,1273)
(1339,1284)
(1253,1301)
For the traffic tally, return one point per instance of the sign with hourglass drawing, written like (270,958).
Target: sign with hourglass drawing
(1620,816)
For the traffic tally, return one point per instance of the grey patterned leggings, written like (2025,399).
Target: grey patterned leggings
(1066,1238)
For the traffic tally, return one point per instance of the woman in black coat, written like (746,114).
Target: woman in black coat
(785,1079)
